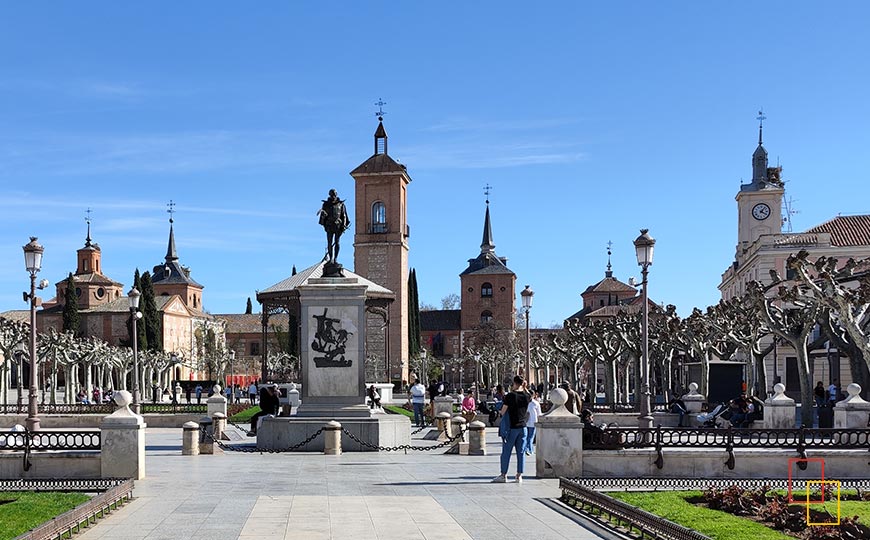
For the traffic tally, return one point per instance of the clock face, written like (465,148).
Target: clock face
(760,211)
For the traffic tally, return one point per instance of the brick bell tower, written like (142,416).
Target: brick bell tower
(381,241)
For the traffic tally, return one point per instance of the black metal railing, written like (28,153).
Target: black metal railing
(623,407)
(82,516)
(86,485)
(700,484)
(105,408)
(799,438)
(591,502)
(173,408)
(51,440)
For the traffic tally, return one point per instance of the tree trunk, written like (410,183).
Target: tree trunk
(704,383)
(760,364)
(610,382)
(805,377)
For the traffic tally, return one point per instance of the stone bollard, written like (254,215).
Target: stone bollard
(559,451)
(219,421)
(693,400)
(332,438)
(293,396)
(477,438)
(216,403)
(176,391)
(852,412)
(206,433)
(190,439)
(442,420)
(457,426)
(122,444)
(779,410)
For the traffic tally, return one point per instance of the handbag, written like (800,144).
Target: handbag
(504,427)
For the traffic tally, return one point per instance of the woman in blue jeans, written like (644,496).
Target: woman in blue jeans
(516,413)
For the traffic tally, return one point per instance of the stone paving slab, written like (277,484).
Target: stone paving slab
(377,496)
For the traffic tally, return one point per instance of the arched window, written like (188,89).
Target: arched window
(486,290)
(486,317)
(379,217)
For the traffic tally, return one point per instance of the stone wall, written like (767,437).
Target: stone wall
(70,464)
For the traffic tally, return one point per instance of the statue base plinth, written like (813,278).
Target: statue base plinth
(332,269)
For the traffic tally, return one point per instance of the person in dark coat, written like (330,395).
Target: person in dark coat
(269,404)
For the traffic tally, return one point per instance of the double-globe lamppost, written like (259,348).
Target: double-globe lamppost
(135,315)
(643,246)
(33,262)
(527,295)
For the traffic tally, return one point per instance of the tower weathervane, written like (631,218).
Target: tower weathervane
(609,272)
(170,210)
(761,118)
(88,221)
(487,189)
(380,114)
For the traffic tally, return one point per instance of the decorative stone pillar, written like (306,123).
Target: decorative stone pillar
(853,412)
(219,420)
(693,400)
(176,391)
(559,450)
(122,445)
(217,403)
(206,433)
(477,438)
(779,410)
(293,396)
(442,420)
(190,439)
(332,438)
(442,404)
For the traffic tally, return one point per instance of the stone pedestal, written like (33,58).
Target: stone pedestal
(332,438)
(293,396)
(693,400)
(477,438)
(190,439)
(442,404)
(779,410)
(217,403)
(559,450)
(122,449)
(176,392)
(853,412)
(332,322)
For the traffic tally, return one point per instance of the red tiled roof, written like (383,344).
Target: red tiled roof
(610,284)
(846,230)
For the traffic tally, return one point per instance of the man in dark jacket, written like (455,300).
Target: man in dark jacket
(269,404)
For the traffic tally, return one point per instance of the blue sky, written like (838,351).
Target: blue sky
(590,121)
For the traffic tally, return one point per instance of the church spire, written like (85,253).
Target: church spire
(171,254)
(487,245)
(608,273)
(759,157)
(380,133)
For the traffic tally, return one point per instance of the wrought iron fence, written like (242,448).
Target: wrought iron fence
(623,407)
(82,516)
(50,440)
(173,408)
(583,498)
(700,484)
(85,485)
(59,408)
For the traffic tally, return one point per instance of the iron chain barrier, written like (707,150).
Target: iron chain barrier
(254,449)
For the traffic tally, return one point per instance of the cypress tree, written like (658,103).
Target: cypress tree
(150,315)
(414,340)
(249,308)
(141,335)
(71,307)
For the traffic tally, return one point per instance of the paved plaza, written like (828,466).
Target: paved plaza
(383,496)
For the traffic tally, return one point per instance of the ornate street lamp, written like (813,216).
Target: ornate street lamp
(33,262)
(476,376)
(135,315)
(527,295)
(232,374)
(644,245)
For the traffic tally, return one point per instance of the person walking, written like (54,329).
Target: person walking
(418,401)
(516,406)
(187,392)
(833,392)
(198,391)
(252,394)
(534,413)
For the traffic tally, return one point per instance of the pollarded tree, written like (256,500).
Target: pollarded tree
(790,316)
(844,292)
(739,321)
(13,339)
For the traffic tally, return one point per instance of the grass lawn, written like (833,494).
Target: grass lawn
(28,509)
(399,410)
(722,525)
(672,505)
(245,416)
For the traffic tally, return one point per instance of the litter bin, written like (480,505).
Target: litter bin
(826,417)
